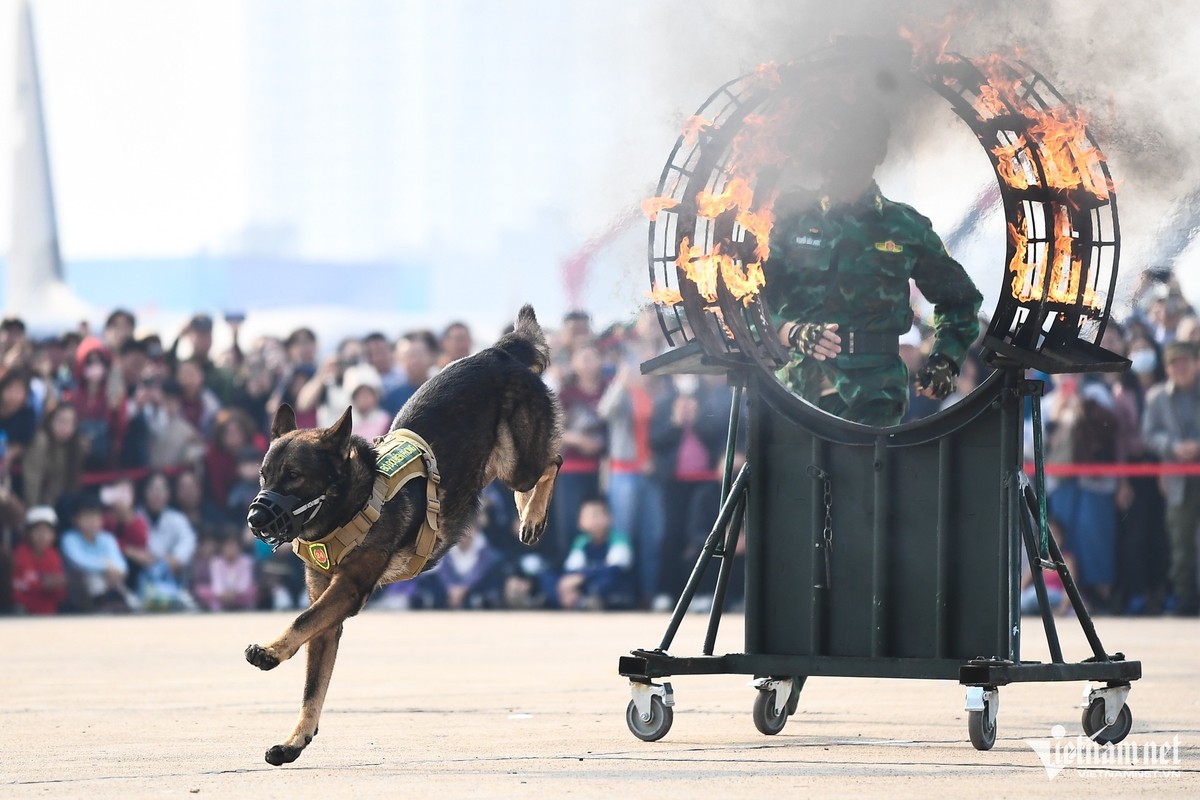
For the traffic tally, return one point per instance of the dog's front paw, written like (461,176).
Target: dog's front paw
(281,754)
(262,658)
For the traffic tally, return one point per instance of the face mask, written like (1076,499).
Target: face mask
(1142,361)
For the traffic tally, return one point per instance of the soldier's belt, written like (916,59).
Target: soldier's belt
(874,344)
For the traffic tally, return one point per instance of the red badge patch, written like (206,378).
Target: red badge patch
(320,555)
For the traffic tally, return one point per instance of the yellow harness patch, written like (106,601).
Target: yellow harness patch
(889,247)
(400,457)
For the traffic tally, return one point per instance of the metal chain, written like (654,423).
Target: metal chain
(827,533)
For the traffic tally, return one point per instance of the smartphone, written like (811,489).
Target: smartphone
(234,317)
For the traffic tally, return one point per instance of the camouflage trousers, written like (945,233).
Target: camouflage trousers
(867,389)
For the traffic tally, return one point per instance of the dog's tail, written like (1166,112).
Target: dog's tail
(526,342)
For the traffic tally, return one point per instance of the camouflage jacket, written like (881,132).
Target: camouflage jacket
(851,265)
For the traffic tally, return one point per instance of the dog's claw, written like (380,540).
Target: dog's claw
(531,533)
(259,657)
(281,754)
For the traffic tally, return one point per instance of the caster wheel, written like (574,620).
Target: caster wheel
(1093,723)
(766,719)
(653,729)
(983,735)
(794,700)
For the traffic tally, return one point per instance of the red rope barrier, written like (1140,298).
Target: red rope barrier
(1140,470)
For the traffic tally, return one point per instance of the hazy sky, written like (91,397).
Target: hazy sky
(371,129)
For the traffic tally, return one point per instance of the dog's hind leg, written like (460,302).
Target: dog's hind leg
(532,505)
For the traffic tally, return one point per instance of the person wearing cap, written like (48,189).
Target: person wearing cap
(1171,428)
(39,581)
(837,280)
(96,569)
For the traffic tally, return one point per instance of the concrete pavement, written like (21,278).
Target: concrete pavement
(487,705)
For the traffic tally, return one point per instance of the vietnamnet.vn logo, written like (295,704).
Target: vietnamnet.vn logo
(1059,752)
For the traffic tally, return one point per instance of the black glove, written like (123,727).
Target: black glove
(804,336)
(937,376)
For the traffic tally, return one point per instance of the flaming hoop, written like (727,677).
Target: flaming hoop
(712,215)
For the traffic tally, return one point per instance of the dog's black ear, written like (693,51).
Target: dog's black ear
(337,435)
(284,422)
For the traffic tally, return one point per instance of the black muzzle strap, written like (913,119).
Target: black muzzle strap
(274,518)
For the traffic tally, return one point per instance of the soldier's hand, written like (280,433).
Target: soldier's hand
(935,380)
(817,339)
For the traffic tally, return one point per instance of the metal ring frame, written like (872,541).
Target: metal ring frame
(1042,330)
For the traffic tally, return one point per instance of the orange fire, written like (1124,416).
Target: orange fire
(699,269)
(737,194)
(692,128)
(1012,163)
(758,224)
(1027,276)
(1058,132)
(929,47)
(1071,160)
(702,270)
(652,205)
(1066,268)
(664,295)
(767,74)
(1065,272)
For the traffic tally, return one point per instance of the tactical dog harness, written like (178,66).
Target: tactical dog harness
(400,456)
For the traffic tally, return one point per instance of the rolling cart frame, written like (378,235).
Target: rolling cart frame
(891,554)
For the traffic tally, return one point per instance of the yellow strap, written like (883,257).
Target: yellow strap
(397,463)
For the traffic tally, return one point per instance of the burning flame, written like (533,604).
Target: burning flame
(758,224)
(1066,268)
(692,128)
(664,295)
(652,205)
(1013,165)
(1071,160)
(1027,276)
(702,270)
(1058,132)
(767,74)
(737,194)
(1064,275)
(929,47)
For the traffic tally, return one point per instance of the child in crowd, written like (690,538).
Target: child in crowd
(39,582)
(597,572)
(128,526)
(364,388)
(468,575)
(230,584)
(95,567)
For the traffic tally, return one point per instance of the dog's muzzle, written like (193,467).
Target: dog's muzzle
(274,518)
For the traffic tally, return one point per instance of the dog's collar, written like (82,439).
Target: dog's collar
(400,456)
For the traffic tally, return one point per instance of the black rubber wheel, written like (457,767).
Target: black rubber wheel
(983,735)
(1093,723)
(661,717)
(766,719)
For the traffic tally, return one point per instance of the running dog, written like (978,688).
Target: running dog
(363,514)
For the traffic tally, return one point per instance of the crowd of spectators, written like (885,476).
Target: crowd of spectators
(127,463)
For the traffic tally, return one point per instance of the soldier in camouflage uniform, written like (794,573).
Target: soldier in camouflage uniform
(838,286)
